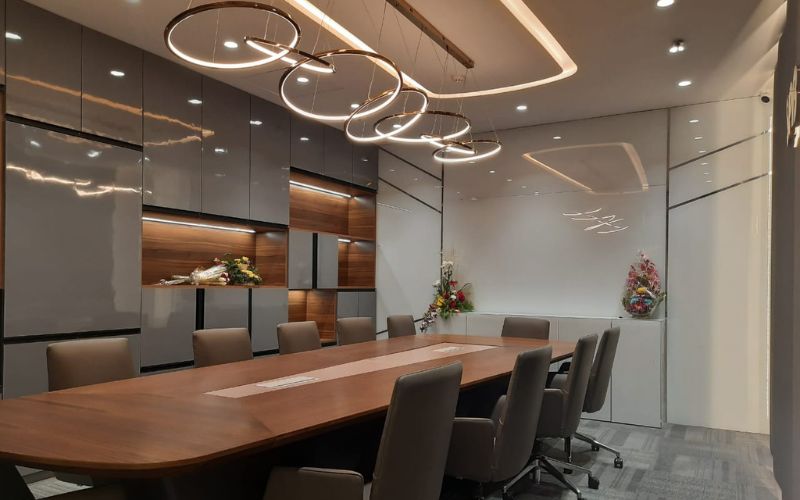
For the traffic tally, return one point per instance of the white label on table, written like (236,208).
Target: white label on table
(282,382)
(448,349)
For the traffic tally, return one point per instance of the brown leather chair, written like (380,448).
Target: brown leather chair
(298,336)
(528,328)
(218,346)
(355,330)
(498,449)
(76,363)
(412,453)
(401,325)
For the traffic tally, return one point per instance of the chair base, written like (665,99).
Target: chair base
(597,445)
(553,467)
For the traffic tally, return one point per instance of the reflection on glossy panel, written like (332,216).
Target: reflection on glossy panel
(43,66)
(168,320)
(269,162)
(307,145)
(365,166)
(270,308)
(3,43)
(366,304)
(338,155)
(112,88)
(73,231)
(172,144)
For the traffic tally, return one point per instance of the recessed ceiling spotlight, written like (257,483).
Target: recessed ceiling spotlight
(117,73)
(524,187)
(93,153)
(230,44)
(677,47)
(12,36)
(354,105)
(556,137)
(509,179)
(704,163)
(34,143)
(474,199)
(220,151)
(684,83)
(257,123)
(694,120)
(396,125)
(304,139)
(699,137)
(664,3)
(702,151)
(195,101)
(522,107)
(492,171)
(302,79)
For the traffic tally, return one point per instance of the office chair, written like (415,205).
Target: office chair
(355,330)
(298,336)
(221,345)
(528,328)
(401,325)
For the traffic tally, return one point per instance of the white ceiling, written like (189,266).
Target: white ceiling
(620,48)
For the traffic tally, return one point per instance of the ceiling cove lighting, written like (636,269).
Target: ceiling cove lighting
(318,189)
(196,224)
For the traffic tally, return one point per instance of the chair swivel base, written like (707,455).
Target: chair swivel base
(597,445)
(554,466)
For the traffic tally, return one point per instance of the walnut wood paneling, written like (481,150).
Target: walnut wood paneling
(362,216)
(297,305)
(357,264)
(314,211)
(271,254)
(321,307)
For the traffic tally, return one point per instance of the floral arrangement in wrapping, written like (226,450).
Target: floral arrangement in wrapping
(225,271)
(448,297)
(643,291)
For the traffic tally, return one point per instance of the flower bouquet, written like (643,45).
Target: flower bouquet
(448,297)
(225,271)
(643,291)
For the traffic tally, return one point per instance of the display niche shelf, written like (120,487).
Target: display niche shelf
(177,243)
(315,305)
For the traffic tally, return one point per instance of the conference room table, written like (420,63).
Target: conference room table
(184,427)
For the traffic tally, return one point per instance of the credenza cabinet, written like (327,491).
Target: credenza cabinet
(269,308)
(327,255)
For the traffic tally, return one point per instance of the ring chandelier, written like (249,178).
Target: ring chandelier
(449,149)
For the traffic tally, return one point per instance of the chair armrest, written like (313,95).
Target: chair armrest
(471,449)
(559,381)
(551,417)
(498,411)
(312,484)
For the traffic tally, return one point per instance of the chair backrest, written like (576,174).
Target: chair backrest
(416,435)
(84,362)
(298,336)
(516,431)
(577,381)
(401,325)
(600,376)
(529,328)
(217,346)
(355,330)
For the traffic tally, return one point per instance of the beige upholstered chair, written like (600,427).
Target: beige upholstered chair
(218,346)
(401,325)
(529,328)
(498,449)
(77,363)
(355,330)
(412,453)
(298,336)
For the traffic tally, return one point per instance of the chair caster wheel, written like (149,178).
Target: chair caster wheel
(595,447)
(617,463)
(567,471)
(594,483)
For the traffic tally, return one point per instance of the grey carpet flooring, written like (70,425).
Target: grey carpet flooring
(676,462)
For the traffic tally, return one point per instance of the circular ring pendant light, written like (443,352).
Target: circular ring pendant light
(424,138)
(348,124)
(307,61)
(483,148)
(377,58)
(169,31)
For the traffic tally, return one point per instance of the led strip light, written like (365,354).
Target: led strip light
(319,189)
(195,224)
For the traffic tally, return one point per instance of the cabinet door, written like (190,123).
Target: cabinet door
(338,155)
(226,308)
(327,261)
(43,58)
(112,88)
(172,145)
(638,374)
(226,150)
(308,139)
(365,166)
(270,308)
(366,304)
(301,259)
(168,320)
(347,305)
(270,140)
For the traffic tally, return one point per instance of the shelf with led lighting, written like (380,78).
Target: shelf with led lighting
(176,244)
(315,305)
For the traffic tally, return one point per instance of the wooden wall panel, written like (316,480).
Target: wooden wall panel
(271,254)
(297,305)
(314,211)
(362,216)
(361,264)
(321,307)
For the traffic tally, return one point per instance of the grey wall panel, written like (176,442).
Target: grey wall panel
(365,166)
(347,304)
(366,304)
(308,139)
(338,155)
(226,308)
(73,234)
(327,261)
(112,88)
(25,367)
(270,142)
(301,259)
(3,43)
(172,147)
(226,150)
(168,320)
(270,308)
(43,63)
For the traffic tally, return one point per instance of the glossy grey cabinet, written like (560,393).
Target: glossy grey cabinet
(226,308)
(365,166)
(112,88)
(346,304)
(270,307)
(338,155)
(168,320)
(226,150)
(73,234)
(301,259)
(308,145)
(270,138)
(43,63)
(3,43)
(172,148)
(327,261)
(25,367)
(367,304)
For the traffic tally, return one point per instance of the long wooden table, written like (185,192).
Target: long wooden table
(166,424)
